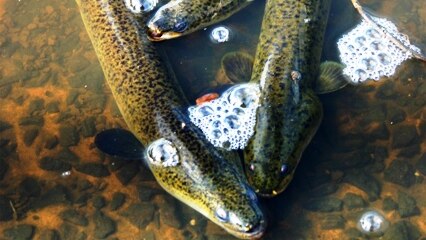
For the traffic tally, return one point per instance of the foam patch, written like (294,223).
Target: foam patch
(228,122)
(370,52)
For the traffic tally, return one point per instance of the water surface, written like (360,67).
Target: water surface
(369,153)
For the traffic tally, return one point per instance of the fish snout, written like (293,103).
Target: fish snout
(154,33)
(244,227)
(268,181)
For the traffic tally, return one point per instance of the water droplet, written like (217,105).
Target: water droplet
(232,121)
(220,34)
(163,152)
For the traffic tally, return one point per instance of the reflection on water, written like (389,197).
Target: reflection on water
(368,154)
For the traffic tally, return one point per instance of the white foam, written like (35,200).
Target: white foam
(369,51)
(228,122)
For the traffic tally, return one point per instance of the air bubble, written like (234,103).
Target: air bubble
(373,33)
(216,134)
(384,59)
(223,121)
(244,96)
(226,131)
(369,63)
(220,34)
(377,45)
(163,152)
(361,74)
(372,222)
(364,42)
(137,6)
(360,41)
(232,121)
(226,145)
(216,124)
(238,111)
(205,111)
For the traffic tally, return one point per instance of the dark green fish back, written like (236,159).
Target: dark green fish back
(286,65)
(137,77)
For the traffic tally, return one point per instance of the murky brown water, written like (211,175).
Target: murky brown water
(369,153)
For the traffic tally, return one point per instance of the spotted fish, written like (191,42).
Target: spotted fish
(180,17)
(286,67)
(180,158)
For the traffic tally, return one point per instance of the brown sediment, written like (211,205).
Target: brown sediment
(286,210)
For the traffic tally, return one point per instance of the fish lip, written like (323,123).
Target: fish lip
(271,194)
(255,232)
(155,34)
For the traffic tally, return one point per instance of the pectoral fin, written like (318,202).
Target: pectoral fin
(331,78)
(119,143)
(238,66)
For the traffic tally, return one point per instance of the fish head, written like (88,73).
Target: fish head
(273,153)
(172,20)
(198,176)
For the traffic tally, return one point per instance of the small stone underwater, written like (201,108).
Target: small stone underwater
(241,141)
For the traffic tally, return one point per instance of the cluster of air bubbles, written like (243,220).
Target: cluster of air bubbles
(138,6)
(371,51)
(228,122)
(220,34)
(372,222)
(162,152)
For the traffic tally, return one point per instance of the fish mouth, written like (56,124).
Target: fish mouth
(254,232)
(269,194)
(156,35)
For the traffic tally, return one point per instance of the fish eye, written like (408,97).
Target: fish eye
(283,170)
(251,194)
(180,26)
(222,215)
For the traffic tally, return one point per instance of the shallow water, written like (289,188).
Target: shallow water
(369,153)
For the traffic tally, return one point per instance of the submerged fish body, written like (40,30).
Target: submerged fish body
(180,158)
(289,113)
(180,17)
